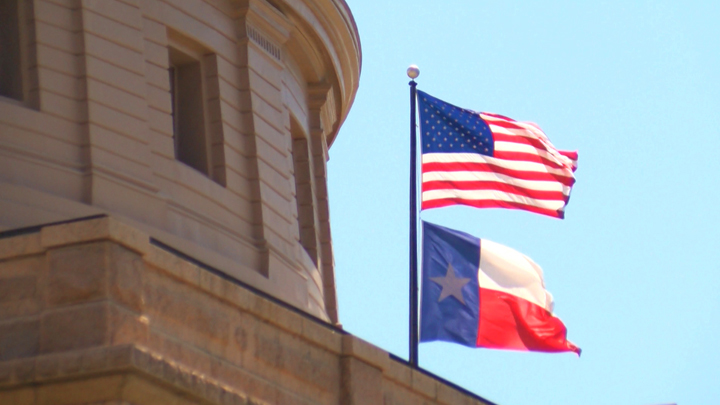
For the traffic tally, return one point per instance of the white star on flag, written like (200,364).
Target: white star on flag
(451,285)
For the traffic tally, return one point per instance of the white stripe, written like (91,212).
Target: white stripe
(518,147)
(493,195)
(573,162)
(528,127)
(531,131)
(540,185)
(487,117)
(509,271)
(507,164)
(534,129)
(497,129)
(551,155)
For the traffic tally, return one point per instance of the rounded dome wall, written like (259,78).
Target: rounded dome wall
(206,123)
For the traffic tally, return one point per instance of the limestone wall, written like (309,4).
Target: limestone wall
(94,311)
(95,130)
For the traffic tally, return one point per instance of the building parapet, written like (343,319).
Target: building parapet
(96,310)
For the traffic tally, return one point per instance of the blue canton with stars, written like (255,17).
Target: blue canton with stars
(446,128)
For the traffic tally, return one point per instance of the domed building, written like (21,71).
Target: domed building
(164,221)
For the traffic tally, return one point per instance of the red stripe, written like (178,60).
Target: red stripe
(505,124)
(510,322)
(526,157)
(494,185)
(534,142)
(494,117)
(487,167)
(445,202)
(572,155)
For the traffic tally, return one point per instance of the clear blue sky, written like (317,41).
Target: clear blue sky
(634,86)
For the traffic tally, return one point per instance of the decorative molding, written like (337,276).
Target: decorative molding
(264,42)
(328,114)
(321,100)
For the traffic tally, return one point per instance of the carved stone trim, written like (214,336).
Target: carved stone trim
(121,360)
(264,42)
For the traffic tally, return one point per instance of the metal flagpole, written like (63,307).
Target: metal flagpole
(413,72)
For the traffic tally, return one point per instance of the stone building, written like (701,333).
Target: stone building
(164,224)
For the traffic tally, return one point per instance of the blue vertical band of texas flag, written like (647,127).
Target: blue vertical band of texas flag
(487,160)
(446,251)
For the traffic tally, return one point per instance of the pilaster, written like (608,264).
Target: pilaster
(119,174)
(320,122)
(262,31)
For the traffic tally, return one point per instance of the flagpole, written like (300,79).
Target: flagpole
(413,72)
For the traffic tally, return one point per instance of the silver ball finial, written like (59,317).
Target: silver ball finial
(413,72)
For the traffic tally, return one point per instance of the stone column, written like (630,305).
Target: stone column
(321,117)
(119,175)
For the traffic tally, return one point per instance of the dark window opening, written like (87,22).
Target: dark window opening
(186,92)
(304,192)
(10,57)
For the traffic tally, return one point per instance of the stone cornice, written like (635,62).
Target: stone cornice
(323,34)
(331,28)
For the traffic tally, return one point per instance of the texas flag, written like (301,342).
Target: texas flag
(483,294)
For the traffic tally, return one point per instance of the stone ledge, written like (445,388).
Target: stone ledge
(247,298)
(116,360)
(429,385)
(133,365)
(21,245)
(40,238)
(104,228)
(362,350)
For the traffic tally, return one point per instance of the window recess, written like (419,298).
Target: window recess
(18,74)
(188,112)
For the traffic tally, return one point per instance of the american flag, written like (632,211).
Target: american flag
(490,161)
